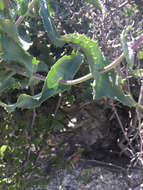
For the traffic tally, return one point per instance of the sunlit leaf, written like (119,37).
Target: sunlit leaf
(51,6)
(2,150)
(6,81)
(12,51)
(90,49)
(49,25)
(2,5)
(108,85)
(23,7)
(140,54)
(105,84)
(65,69)
(6,26)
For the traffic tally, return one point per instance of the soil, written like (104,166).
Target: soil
(93,158)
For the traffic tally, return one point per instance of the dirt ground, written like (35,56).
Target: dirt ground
(100,164)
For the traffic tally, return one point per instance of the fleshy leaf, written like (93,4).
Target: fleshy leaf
(2,5)
(12,51)
(23,7)
(65,69)
(9,81)
(128,51)
(6,26)
(49,25)
(6,81)
(108,85)
(2,150)
(51,6)
(140,54)
(90,49)
(42,67)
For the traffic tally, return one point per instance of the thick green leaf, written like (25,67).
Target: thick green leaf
(42,67)
(2,150)
(6,81)
(10,48)
(1,5)
(12,51)
(140,54)
(33,81)
(96,3)
(6,26)
(108,85)
(64,69)
(51,6)
(23,7)
(128,51)
(90,49)
(49,25)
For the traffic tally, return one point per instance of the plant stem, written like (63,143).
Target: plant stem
(134,46)
(35,75)
(89,76)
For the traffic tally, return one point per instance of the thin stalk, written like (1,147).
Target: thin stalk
(89,76)
(134,46)
(35,75)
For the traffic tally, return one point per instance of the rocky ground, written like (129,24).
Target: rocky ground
(94,178)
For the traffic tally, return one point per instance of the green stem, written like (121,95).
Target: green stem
(69,82)
(35,75)
(134,46)
(89,76)
(77,81)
